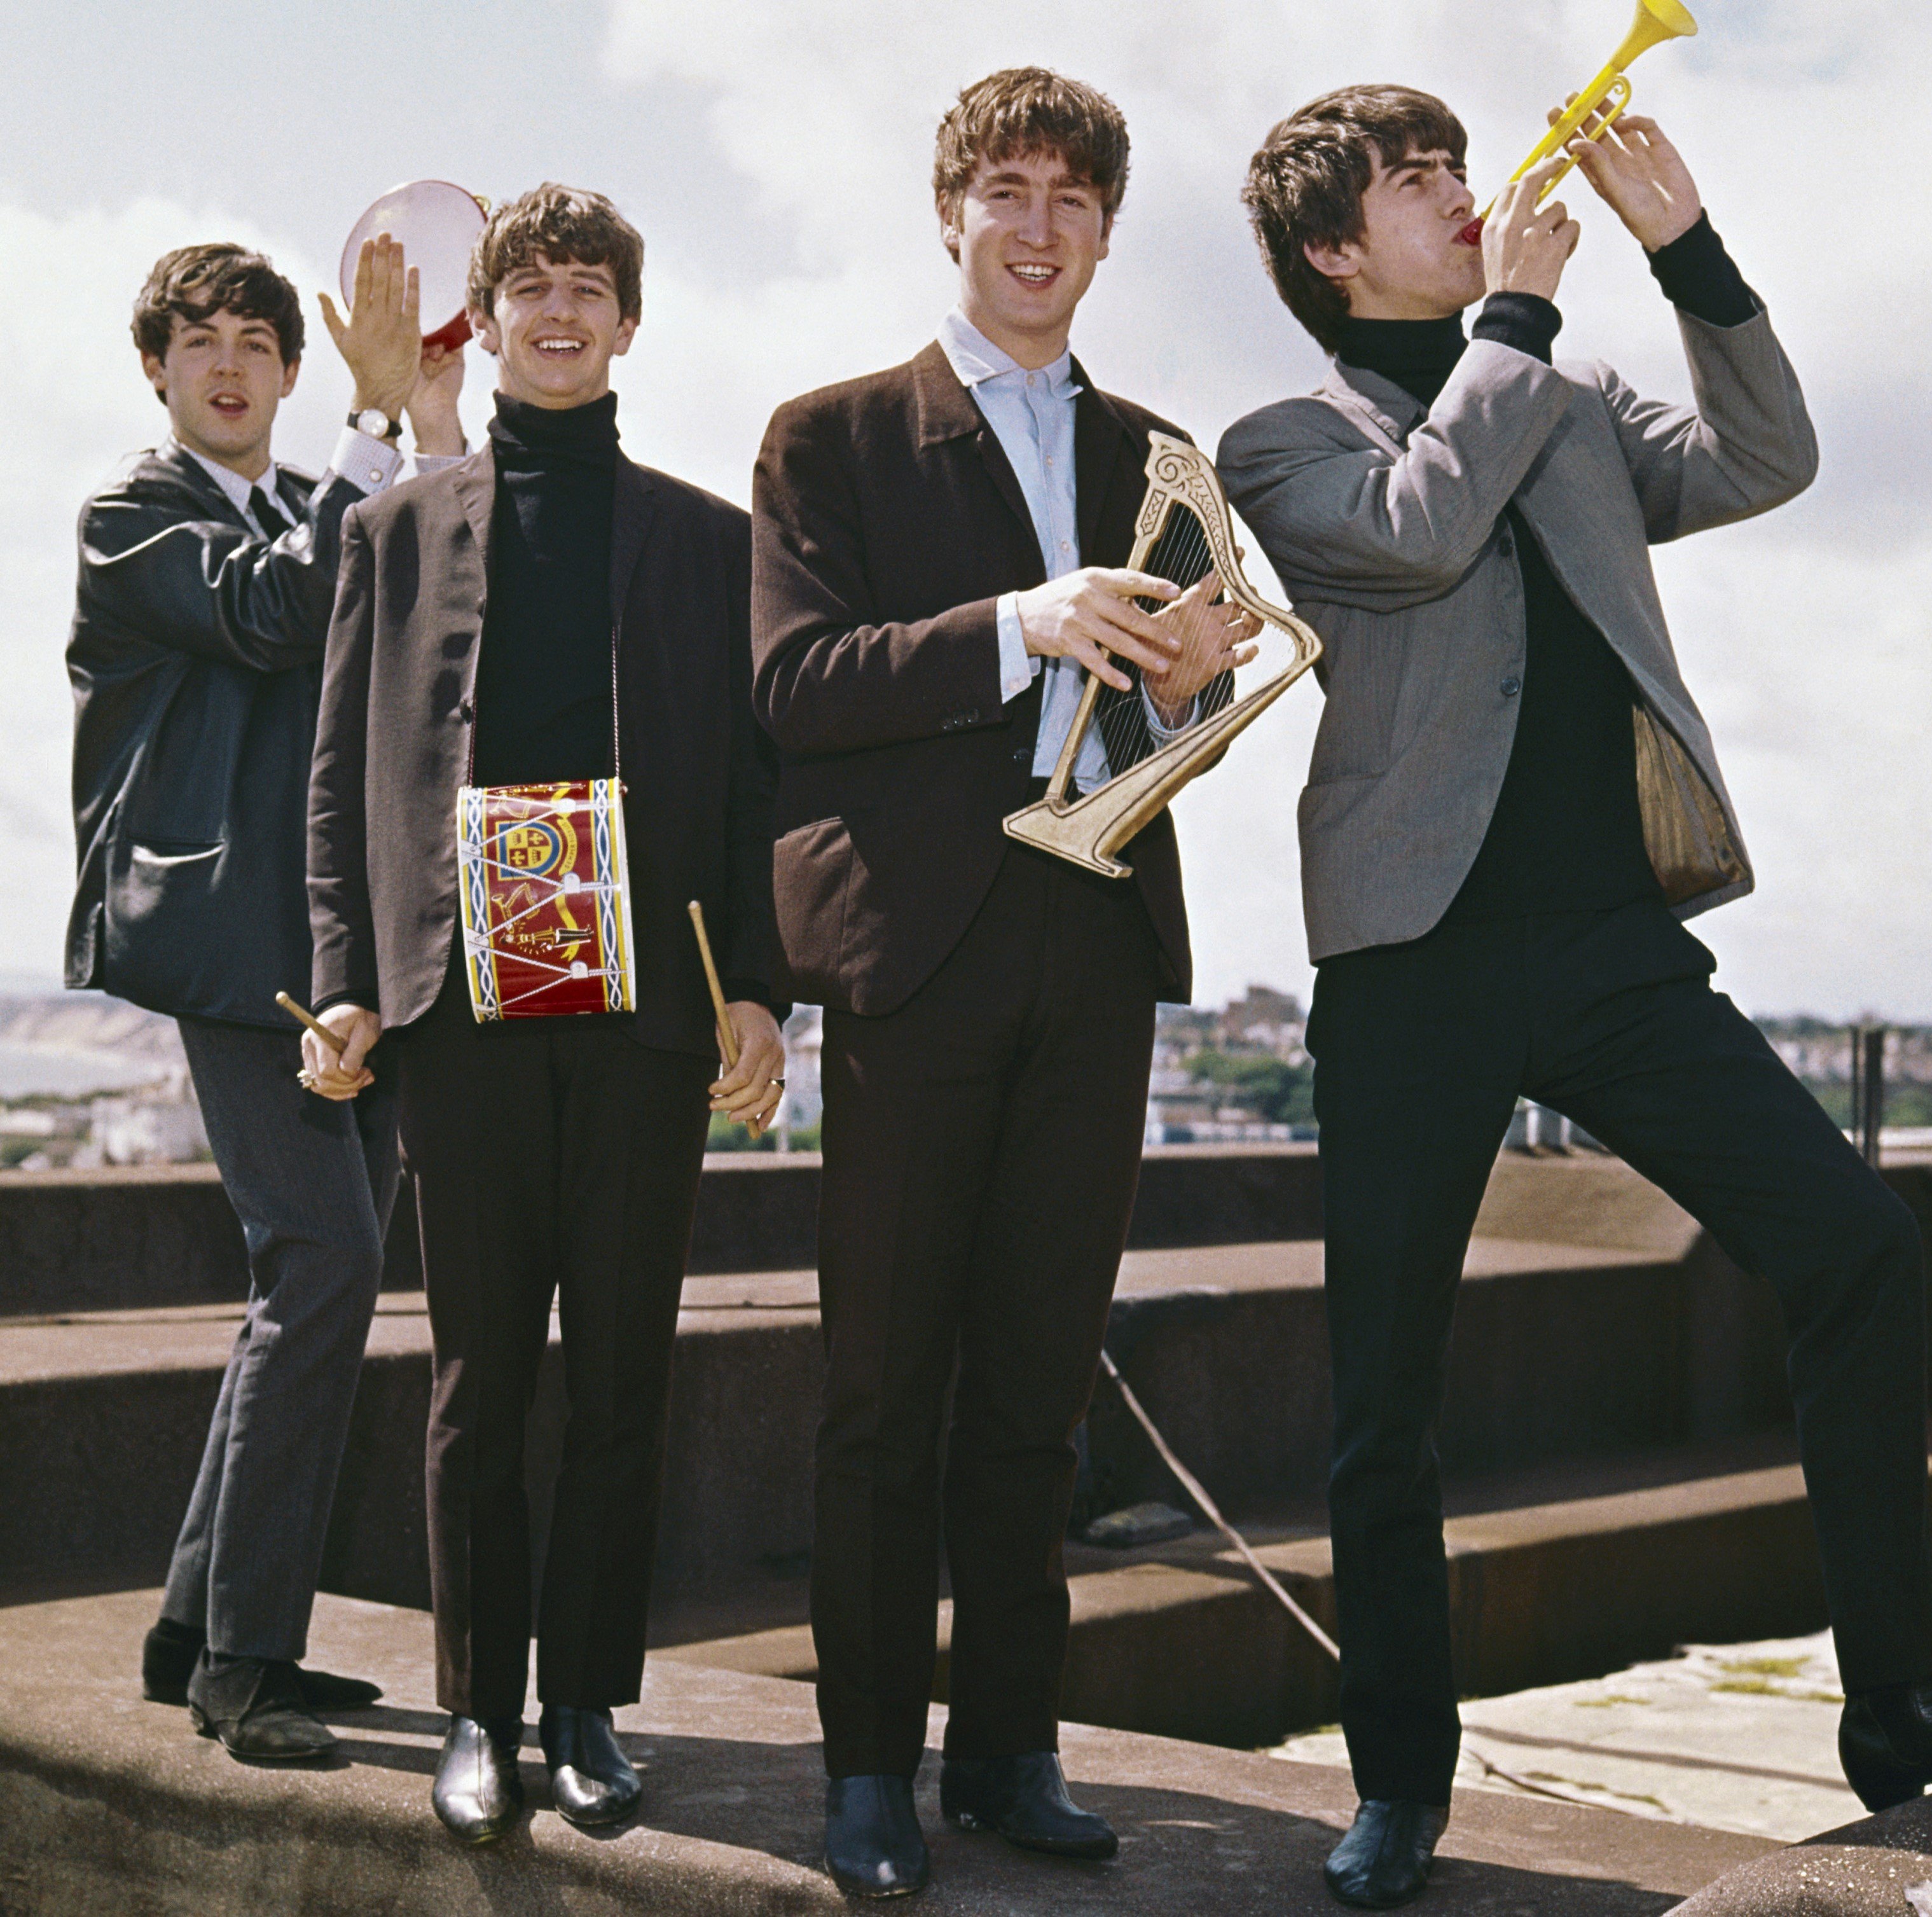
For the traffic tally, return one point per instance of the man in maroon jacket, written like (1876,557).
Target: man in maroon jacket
(936,556)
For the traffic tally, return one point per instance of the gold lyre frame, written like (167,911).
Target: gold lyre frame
(1089,830)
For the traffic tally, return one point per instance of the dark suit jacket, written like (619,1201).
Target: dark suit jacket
(196,658)
(887,523)
(392,746)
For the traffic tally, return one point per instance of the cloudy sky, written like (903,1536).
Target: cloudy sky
(776,154)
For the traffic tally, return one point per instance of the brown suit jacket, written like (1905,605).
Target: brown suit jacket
(886,522)
(392,746)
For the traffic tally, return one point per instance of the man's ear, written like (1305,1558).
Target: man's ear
(489,336)
(289,369)
(1333,262)
(627,330)
(156,375)
(948,229)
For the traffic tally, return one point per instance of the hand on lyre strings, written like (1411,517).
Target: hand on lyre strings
(341,1074)
(751,1092)
(1640,175)
(1214,634)
(1087,614)
(1525,249)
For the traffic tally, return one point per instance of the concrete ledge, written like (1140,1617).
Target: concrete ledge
(147,1236)
(1861,1869)
(1181,1641)
(107,1803)
(1559,1351)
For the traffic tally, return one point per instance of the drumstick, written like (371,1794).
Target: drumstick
(315,1024)
(728,1040)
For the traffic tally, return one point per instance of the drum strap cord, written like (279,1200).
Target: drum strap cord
(1195,1490)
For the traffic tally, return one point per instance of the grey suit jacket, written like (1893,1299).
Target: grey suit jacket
(1385,525)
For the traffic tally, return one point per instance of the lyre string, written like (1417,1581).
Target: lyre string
(1182,553)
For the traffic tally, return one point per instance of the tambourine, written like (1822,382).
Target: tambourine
(437,223)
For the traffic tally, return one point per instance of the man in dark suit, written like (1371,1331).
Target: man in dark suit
(922,618)
(512,621)
(207,573)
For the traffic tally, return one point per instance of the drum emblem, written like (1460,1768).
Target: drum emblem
(530,847)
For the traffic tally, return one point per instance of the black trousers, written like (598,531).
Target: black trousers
(982,1148)
(553,1157)
(1421,1052)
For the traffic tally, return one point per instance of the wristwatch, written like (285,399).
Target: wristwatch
(377,423)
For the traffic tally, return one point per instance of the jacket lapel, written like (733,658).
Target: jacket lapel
(1380,408)
(947,411)
(476,488)
(187,470)
(634,506)
(1098,434)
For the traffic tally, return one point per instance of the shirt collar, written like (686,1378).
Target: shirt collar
(975,359)
(230,481)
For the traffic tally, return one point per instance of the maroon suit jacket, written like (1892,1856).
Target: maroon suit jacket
(393,742)
(886,523)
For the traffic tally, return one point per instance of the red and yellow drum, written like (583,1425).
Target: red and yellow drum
(546,903)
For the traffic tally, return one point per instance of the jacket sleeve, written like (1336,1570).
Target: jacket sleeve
(208,587)
(830,675)
(1744,444)
(1381,527)
(753,936)
(341,921)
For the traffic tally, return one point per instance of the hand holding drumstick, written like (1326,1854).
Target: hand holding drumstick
(753,1084)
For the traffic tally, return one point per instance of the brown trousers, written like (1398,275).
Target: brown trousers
(552,1156)
(982,1149)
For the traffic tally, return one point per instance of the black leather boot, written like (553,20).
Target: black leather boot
(1384,1859)
(478,1790)
(1024,1799)
(592,1782)
(874,1847)
(1884,1744)
(257,1709)
(171,1650)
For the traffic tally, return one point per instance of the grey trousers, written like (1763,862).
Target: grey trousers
(312,1182)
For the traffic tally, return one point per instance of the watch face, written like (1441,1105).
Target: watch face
(373,422)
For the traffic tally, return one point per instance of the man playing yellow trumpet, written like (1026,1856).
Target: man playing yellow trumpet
(1513,801)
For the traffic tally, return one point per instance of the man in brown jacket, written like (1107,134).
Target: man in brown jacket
(931,550)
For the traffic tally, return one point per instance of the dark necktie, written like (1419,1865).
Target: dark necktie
(268,516)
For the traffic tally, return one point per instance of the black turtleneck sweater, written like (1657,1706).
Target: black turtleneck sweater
(544,689)
(1567,834)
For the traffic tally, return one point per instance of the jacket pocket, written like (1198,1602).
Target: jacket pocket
(811,879)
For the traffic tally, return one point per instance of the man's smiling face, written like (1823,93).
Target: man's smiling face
(1027,235)
(554,327)
(1411,263)
(223,377)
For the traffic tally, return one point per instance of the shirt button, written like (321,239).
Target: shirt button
(1512,686)
(1063,546)
(1029,378)
(1049,459)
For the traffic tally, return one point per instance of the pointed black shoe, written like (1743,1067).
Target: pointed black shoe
(1384,1859)
(257,1710)
(1024,1799)
(874,1847)
(170,1651)
(592,1782)
(1884,1744)
(478,1790)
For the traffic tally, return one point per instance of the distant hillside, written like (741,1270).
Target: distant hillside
(88,1021)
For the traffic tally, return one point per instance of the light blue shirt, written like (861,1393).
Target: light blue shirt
(1032,415)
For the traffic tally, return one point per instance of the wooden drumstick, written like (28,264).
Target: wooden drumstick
(728,1040)
(315,1024)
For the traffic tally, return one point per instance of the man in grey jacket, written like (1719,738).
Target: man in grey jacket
(1513,803)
